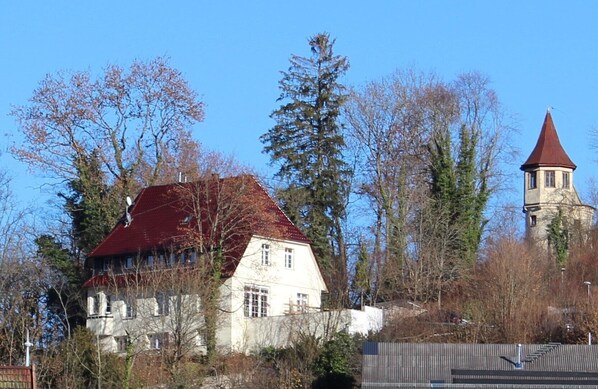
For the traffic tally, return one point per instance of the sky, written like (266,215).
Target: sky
(537,54)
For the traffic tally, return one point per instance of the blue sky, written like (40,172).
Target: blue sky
(537,54)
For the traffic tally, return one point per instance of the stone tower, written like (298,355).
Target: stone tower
(548,187)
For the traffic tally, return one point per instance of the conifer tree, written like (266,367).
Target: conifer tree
(558,238)
(307,146)
(361,279)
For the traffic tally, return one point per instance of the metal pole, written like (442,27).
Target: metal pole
(28,344)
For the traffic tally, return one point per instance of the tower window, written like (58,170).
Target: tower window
(549,179)
(532,221)
(566,180)
(532,183)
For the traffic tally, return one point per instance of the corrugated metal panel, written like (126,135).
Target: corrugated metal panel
(415,364)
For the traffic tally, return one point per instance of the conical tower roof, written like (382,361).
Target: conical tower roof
(548,150)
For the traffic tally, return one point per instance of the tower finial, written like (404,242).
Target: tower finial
(549,109)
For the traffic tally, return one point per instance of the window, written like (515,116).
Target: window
(172,259)
(288,258)
(158,341)
(256,301)
(161,260)
(302,302)
(566,180)
(128,263)
(532,183)
(549,178)
(192,257)
(121,343)
(532,221)
(130,308)
(94,305)
(150,261)
(162,304)
(106,264)
(265,254)
(108,304)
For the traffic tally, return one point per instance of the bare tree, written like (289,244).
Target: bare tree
(511,290)
(102,139)
(137,120)
(429,153)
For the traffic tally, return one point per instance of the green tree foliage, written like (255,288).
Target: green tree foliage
(558,238)
(361,279)
(307,145)
(91,204)
(427,155)
(64,294)
(460,195)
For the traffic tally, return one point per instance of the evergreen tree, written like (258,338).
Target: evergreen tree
(91,204)
(64,295)
(460,191)
(307,145)
(558,238)
(471,196)
(361,280)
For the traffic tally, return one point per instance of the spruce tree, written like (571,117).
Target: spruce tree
(307,145)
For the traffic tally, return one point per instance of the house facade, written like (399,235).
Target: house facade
(149,274)
(549,187)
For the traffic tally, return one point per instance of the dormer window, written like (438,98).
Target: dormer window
(549,179)
(566,182)
(531,180)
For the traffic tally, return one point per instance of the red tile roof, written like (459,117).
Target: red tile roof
(548,150)
(159,214)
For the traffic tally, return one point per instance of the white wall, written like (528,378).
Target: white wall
(282,283)
(234,329)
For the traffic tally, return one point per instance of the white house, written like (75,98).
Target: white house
(271,284)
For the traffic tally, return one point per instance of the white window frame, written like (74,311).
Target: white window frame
(94,304)
(130,308)
(162,304)
(157,341)
(289,258)
(108,304)
(255,301)
(302,302)
(266,258)
(121,343)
